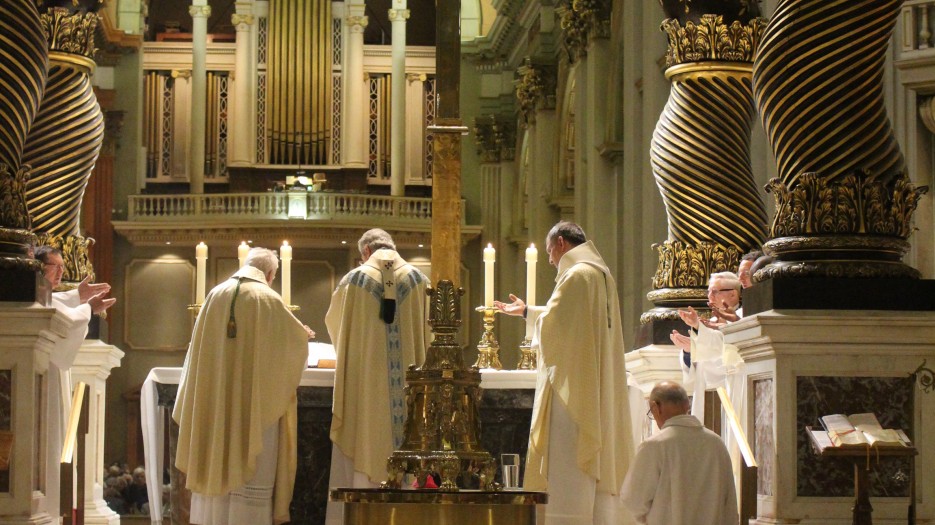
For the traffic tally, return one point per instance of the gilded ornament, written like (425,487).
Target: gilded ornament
(75,254)
(69,32)
(13,211)
(683,265)
(857,203)
(712,39)
(581,20)
(535,89)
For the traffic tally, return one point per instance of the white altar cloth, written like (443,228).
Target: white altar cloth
(153,416)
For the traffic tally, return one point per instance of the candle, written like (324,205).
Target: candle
(532,255)
(201,260)
(285,253)
(490,255)
(242,253)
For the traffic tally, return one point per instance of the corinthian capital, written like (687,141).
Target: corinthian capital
(199,10)
(241,21)
(357,23)
(399,14)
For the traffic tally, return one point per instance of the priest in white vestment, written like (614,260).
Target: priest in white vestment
(682,474)
(236,404)
(708,362)
(378,326)
(78,305)
(580,440)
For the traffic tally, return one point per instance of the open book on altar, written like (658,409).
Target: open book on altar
(321,355)
(861,430)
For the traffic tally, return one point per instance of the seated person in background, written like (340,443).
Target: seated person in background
(681,475)
(78,306)
(707,361)
(744,269)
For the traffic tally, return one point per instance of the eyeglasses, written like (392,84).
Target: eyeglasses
(56,266)
(721,290)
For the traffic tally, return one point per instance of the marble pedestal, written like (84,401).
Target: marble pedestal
(27,336)
(93,364)
(802,364)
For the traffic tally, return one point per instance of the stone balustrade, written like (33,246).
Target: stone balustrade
(353,208)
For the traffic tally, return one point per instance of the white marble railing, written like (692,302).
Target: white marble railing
(346,207)
(918,21)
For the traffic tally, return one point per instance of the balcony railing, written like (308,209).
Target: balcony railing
(917,18)
(342,207)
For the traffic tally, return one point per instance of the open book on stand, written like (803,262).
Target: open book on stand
(859,430)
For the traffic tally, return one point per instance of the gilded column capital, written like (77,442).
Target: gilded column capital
(398,14)
(199,11)
(357,24)
(857,203)
(242,22)
(685,265)
(580,21)
(69,33)
(711,38)
(535,89)
(75,253)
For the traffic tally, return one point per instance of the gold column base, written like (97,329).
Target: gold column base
(527,359)
(488,349)
(398,507)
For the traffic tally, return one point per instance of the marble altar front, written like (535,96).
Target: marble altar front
(506,410)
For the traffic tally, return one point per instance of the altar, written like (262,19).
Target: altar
(506,411)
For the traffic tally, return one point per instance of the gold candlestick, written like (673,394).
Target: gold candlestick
(527,360)
(195,309)
(488,349)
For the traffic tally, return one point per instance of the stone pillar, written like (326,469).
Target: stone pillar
(66,135)
(535,94)
(25,69)
(243,129)
(92,366)
(700,156)
(844,203)
(355,139)
(27,337)
(200,11)
(398,16)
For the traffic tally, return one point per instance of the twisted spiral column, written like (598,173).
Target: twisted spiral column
(67,134)
(700,153)
(23,70)
(818,82)
(63,146)
(843,200)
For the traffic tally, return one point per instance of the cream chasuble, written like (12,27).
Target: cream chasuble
(581,365)
(369,403)
(232,389)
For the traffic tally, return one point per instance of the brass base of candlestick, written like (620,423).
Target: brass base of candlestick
(293,307)
(195,309)
(488,349)
(527,360)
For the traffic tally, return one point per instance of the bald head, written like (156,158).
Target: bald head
(668,399)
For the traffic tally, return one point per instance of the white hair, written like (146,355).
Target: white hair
(262,259)
(730,279)
(375,239)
